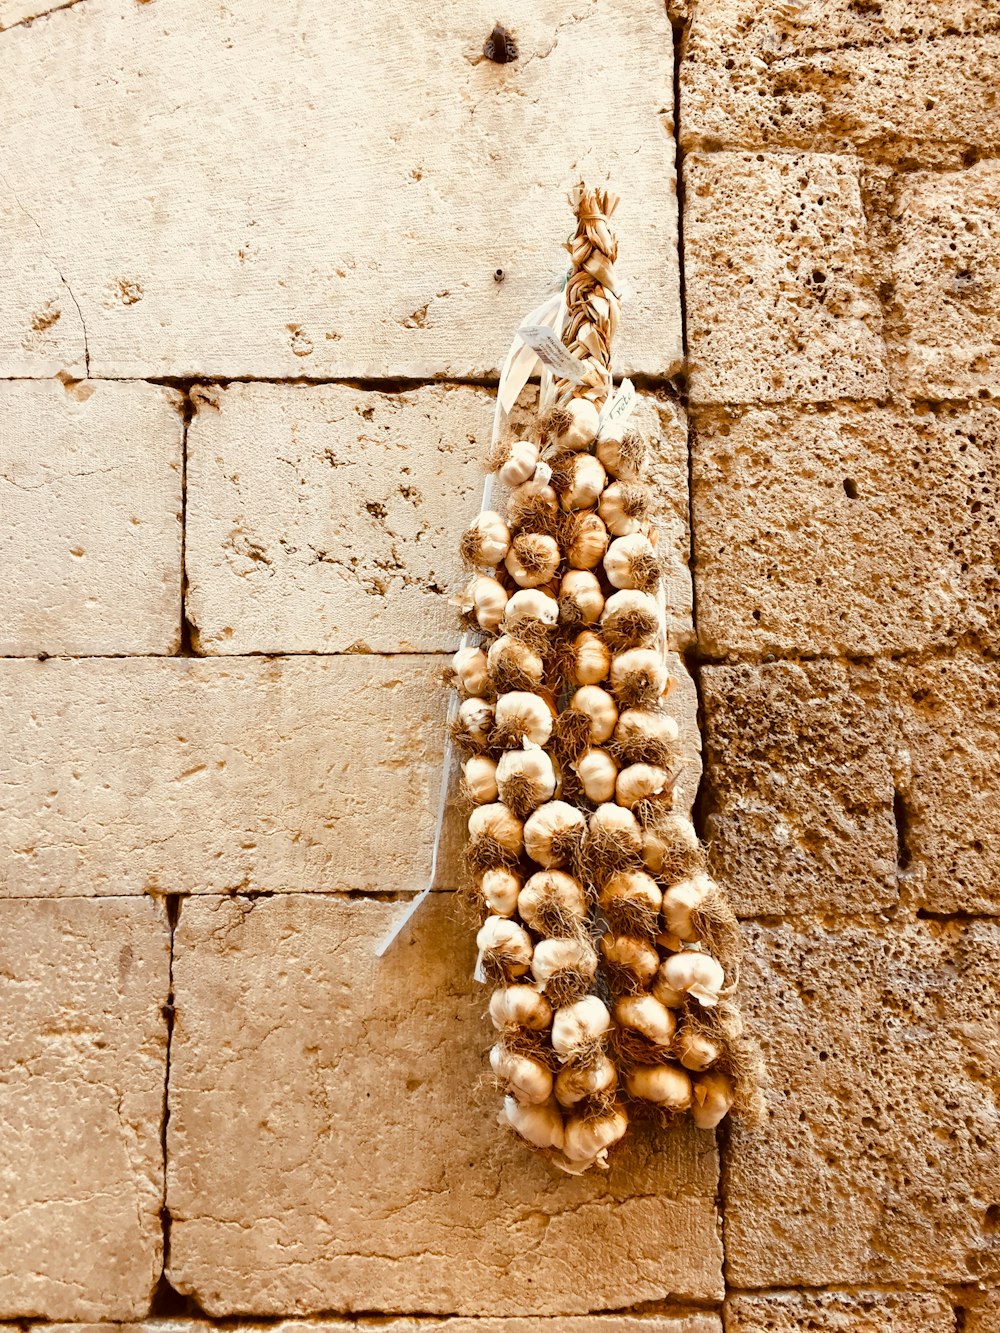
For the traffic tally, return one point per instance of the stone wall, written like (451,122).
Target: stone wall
(259,265)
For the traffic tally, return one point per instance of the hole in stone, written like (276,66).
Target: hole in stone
(850,488)
(500,46)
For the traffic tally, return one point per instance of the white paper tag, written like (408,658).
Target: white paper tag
(543,473)
(479,974)
(552,352)
(617,410)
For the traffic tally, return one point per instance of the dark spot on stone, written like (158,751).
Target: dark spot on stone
(500,46)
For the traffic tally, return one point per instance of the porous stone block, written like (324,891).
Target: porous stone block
(90,484)
(847,529)
(682,1323)
(942,327)
(799,788)
(389,202)
(780,302)
(904,83)
(327,518)
(878,1163)
(839,1312)
(295,1050)
(182,775)
(981,1311)
(83,1044)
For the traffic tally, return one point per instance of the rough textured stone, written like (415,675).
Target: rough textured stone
(295,1051)
(852,529)
(778,298)
(82,1072)
(839,1312)
(982,1312)
(180,775)
(799,788)
(945,341)
(657,1323)
(90,491)
(878,1163)
(901,82)
(389,202)
(319,518)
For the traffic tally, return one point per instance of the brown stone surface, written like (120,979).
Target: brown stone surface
(178,775)
(839,1312)
(779,301)
(902,81)
(878,1163)
(852,529)
(333,1144)
(945,335)
(319,518)
(982,1312)
(82,1071)
(646,1323)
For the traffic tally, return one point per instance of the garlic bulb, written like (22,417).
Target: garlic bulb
(553,903)
(630,619)
(624,508)
(525,779)
(532,559)
(520,1007)
(530,604)
(631,902)
(486,541)
(552,835)
(614,839)
(588,540)
(471,671)
(645,734)
(634,957)
(588,1139)
(591,659)
(520,716)
(671,847)
(539,1125)
(666,1085)
(577,1028)
(521,463)
(574,1083)
(713,1096)
(489,599)
(600,707)
(624,457)
(640,782)
(564,968)
(580,598)
(647,1016)
(475,722)
(506,945)
(582,483)
(513,665)
(480,773)
(495,835)
(597,772)
(631,563)
(499,890)
(689,973)
(528,1080)
(639,675)
(696,1050)
(681,901)
(575,425)
(532,500)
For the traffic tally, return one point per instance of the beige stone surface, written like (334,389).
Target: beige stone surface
(351,220)
(982,1311)
(333,1143)
(82,1074)
(324,517)
(90,497)
(851,529)
(944,339)
(638,1323)
(878,1163)
(779,301)
(181,775)
(905,81)
(839,1312)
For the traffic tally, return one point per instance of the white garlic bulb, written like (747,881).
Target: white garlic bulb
(525,778)
(532,559)
(689,973)
(622,455)
(539,1125)
(640,669)
(496,823)
(630,619)
(574,1083)
(624,509)
(640,782)
(578,1027)
(521,716)
(552,902)
(521,463)
(590,1138)
(632,955)
(520,1007)
(475,721)
(600,707)
(668,1086)
(631,902)
(471,671)
(613,824)
(528,1079)
(580,596)
(486,541)
(530,604)
(552,957)
(597,772)
(578,421)
(533,495)
(629,560)
(587,543)
(499,890)
(585,480)
(647,1016)
(680,903)
(480,773)
(696,1050)
(671,846)
(508,657)
(640,728)
(507,942)
(591,659)
(553,833)
(713,1097)
(489,600)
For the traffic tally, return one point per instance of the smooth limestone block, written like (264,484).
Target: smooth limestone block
(324,518)
(83,1047)
(657,1323)
(182,775)
(333,1139)
(905,81)
(942,329)
(839,1312)
(878,1163)
(849,529)
(780,303)
(90,499)
(799,788)
(388,202)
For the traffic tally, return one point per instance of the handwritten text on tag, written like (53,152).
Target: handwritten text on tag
(551,352)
